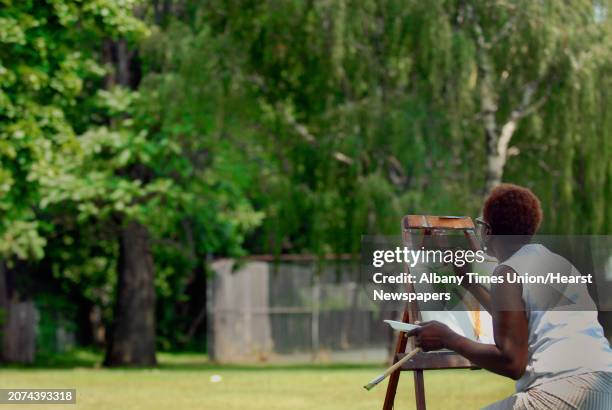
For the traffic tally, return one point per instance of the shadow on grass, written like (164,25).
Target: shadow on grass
(268,367)
(175,361)
(80,358)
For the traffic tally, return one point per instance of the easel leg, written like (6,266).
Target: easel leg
(400,347)
(411,310)
(419,389)
(402,340)
(391,389)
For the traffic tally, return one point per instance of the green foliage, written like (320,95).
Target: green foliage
(365,111)
(48,58)
(56,314)
(284,127)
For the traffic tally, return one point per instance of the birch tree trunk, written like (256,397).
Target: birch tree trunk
(496,160)
(498,138)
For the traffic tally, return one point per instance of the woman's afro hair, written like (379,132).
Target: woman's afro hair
(512,210)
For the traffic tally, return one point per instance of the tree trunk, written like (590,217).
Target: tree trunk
(497,138)
(196,291)
(18,323)
(4,304)
(496,160)
(19,344)
(495,171)
(132,338)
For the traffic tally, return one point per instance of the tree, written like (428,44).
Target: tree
(121,180)
(550,42)
(364,111)
(48,72)
(168,189)
(279,127)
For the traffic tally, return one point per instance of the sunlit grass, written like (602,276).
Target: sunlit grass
(183,381)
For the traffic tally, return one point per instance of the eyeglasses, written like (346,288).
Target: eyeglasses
(482,229)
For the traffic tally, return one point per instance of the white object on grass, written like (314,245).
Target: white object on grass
(215,378)
(401,326)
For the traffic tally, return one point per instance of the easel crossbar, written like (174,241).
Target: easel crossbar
(436,361)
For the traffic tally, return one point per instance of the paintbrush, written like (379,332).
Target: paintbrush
(391,369)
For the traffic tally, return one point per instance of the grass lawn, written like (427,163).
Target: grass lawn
(184,382)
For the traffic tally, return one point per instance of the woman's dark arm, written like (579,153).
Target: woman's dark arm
(481,293)
(508,356)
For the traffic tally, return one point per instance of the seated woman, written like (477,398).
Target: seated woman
(559,358)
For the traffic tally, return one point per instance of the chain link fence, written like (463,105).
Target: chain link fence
(297,309)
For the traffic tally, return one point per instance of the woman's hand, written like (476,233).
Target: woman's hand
(432,336)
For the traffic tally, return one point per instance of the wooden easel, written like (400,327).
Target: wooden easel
(431,226)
